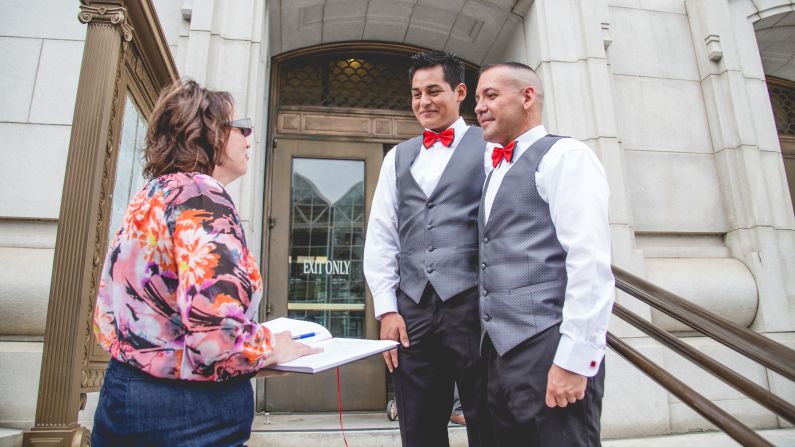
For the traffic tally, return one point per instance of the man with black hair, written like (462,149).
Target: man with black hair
(420,259)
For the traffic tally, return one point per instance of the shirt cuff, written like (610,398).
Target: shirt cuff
(580,358)
(384,303)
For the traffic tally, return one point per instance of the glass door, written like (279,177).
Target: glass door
(321,194)
(326,283)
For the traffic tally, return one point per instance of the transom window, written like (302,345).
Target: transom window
(782,98)
(361,80)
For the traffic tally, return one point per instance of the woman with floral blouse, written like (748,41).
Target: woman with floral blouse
(179,289)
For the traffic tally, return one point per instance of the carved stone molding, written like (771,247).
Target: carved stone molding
(714,49)
(74,263)
(607,39)
(91,378)
(356,123)
(72,436)
(92,373)
(139,71)
(113,15)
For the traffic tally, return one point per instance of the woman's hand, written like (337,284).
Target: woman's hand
(287,349)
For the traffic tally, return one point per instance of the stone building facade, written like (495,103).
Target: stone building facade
(672,95)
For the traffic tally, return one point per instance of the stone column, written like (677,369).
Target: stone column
(78,249)
(566,45)
(227,49)
(761,229)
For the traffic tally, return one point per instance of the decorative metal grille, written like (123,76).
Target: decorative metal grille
(368,81)
(782,98)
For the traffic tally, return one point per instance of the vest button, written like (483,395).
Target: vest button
(483,266)
(429,227)
(429,269)
(430,248)
(486,317)
(431,204)
(485,240)
(485,292)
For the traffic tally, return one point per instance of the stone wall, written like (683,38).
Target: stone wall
(41,46)
(705,185)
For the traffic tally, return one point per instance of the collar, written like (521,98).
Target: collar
(523,142)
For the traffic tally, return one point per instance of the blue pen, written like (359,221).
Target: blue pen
(303,336)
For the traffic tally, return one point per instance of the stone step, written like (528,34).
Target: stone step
(365,429)
(323,429)
(10,437)
(783,437)
(375,430)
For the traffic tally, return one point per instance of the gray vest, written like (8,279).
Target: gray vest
(439,233)
(523,266)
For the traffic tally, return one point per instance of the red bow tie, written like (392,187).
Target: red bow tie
(502,152)
(446,137)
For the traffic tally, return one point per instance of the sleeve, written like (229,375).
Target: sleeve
(217,281)
(382,243)
(574,185)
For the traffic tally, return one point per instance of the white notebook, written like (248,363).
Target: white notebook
(336,351)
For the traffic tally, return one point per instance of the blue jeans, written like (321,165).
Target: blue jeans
(136,409)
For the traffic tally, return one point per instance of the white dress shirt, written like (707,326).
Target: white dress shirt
(572,181)
(382,243)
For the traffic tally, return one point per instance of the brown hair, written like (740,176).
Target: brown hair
(186,131)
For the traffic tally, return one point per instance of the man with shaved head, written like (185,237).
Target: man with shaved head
(546,287)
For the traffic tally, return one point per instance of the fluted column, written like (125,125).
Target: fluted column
(78,249)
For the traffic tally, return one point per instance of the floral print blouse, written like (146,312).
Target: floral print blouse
(179,286)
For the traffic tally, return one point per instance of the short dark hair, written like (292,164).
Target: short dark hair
(452,67)
(517,65)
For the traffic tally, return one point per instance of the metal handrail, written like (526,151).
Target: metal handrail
(734,428)
(763,350)
(719,370)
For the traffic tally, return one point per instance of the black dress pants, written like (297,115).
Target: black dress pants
(517,384)
(444,341)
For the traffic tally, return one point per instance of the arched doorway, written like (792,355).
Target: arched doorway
(782,98)
(775,34)
(335,111)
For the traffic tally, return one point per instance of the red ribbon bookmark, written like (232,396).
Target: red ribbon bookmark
(339,407)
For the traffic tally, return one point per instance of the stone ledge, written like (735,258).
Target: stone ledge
(10,437)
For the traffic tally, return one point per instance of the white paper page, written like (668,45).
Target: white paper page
(298,328)
(337,351)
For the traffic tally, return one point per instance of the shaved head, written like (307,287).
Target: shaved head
(510,99)
(521,76)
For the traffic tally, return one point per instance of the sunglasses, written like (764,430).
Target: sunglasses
(243,124)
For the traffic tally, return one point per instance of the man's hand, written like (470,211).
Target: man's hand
(393,327)
(564,387)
